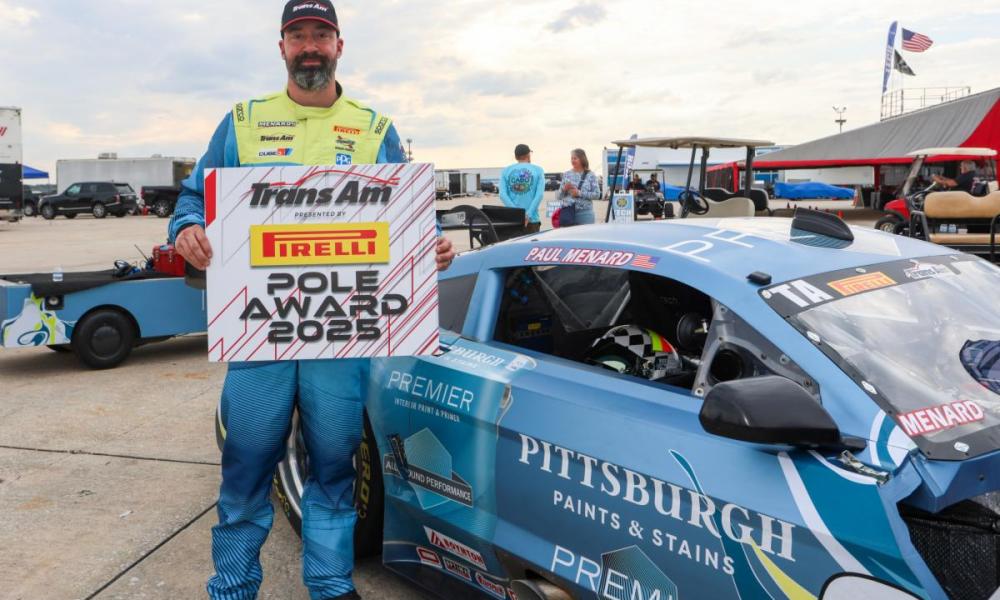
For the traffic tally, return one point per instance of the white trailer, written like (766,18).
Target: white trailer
(11,148)
(137,172)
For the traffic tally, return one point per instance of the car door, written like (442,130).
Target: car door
(67,201)
(85,198)
(607,483)
(436,421)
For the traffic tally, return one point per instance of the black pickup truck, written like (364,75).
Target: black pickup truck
(160,199)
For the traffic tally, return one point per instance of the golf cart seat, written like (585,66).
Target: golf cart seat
(758,196)
(736,206)
(718,194)
(979,217)
(993,186)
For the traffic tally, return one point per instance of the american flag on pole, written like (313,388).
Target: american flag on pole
(915,42)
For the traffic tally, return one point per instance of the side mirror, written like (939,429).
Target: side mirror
(768,410)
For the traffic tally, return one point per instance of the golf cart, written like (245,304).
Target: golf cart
(701,201)
(916,187)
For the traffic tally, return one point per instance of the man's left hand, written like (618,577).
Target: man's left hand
(445,254)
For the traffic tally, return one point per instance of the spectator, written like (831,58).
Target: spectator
(653,185)
(636,185)
(964,181)
(579,189)
(522,185)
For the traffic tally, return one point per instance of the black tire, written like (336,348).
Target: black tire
(162,208)
(369,494)
(48,213)
(70,215)
(889,224)
(104,338)
(60,348)
(29,209)
(100,211)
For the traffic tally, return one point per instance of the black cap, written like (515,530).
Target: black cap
(521,150)
(309,10)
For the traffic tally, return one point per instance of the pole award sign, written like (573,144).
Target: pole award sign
(321,262)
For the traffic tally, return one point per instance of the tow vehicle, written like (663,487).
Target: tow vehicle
(917,184)
(701,201)
(101,315)
(752,408)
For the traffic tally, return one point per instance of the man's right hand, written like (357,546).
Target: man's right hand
(192,244)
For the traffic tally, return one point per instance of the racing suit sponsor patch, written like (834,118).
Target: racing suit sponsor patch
(277,138)
(276,152)
(926,421)
(276,124)
(346,130)
(381,125)
(344,159)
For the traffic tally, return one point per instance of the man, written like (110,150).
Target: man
(311,122)
(636,184)
(522,185)
(653,185)
(965,180)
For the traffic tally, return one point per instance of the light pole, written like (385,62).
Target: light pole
(840,120)
(409,150)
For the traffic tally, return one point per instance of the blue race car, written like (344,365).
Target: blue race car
(740,408)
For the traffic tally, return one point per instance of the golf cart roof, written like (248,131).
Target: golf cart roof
(954,152)
(691,142)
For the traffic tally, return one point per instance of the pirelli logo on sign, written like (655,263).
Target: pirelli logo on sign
(331,244)
(862,283)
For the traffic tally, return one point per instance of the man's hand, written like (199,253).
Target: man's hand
(445,253)
(192,244)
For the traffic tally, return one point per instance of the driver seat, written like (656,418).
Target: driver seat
(737,206)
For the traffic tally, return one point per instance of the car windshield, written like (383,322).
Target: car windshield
(124,188)
(921,337)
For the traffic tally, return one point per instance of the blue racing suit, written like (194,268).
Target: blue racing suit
(258,398)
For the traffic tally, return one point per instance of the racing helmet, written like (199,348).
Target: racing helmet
(633,350)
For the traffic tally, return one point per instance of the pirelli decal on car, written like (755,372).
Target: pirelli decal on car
(792,297)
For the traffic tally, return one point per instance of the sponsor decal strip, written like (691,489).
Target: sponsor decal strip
(454,489)
(926,421)
(590,256)
(454,547)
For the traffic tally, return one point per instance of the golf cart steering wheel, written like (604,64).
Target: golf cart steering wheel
(916,199)
(692,202)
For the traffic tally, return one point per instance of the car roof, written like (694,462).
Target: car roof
(733,247)
(691,141)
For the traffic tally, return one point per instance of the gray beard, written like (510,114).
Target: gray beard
(313,79)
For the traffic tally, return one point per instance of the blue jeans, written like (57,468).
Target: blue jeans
(256,411)
(584,214)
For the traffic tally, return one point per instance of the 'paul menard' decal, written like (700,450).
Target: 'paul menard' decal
(329,244)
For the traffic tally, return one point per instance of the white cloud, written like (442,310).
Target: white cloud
(18,16)
(582,15)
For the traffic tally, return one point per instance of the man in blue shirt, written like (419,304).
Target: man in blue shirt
(522,185)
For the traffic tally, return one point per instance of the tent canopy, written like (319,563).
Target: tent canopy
(32,173)
(691,142)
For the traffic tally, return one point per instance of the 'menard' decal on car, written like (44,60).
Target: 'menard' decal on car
(938,418)
(454,547)
(590,256)
(728,521)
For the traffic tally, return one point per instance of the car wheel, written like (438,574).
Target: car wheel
(29,210)
(48,213)
(100,211)
(70,215)
(103,338)
(889,224)
(369,494)
(162,208)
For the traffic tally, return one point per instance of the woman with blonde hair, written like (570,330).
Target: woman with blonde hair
(579,190)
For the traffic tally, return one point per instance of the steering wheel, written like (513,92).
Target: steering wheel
(916,199)
(692,202)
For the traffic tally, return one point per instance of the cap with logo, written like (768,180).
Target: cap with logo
(309,10)
(521,150)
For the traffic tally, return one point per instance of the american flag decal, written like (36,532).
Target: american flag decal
(645,261)
(915,42)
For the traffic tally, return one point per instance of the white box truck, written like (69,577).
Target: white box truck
(150,172)
(11,184)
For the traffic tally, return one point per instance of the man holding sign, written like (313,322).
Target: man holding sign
(310,123)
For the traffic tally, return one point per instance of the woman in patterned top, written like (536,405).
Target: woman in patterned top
(580,188)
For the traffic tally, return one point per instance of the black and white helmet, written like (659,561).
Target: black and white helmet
(633,350)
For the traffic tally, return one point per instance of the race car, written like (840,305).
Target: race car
(747,408)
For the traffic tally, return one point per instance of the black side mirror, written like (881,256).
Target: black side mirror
(768,410)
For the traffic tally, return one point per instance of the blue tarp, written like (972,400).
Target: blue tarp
(32,173)
(811,190)
(671,192)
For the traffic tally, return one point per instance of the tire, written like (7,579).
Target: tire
(104,338)
(48,213)
(100,211)
(29,210)
(162,208)
(369,494)
(70,215)
(889,224)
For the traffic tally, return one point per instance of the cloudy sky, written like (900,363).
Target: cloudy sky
(469,79)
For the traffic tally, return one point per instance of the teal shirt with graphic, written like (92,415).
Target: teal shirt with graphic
(522,185)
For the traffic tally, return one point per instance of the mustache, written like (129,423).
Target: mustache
(324,62)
